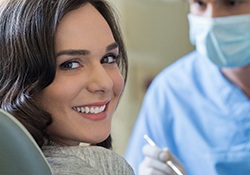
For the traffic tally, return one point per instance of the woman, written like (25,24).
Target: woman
(63,69)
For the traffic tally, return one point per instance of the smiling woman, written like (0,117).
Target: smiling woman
(65,67)
(87,78)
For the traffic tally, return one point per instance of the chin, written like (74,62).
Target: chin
(100,137)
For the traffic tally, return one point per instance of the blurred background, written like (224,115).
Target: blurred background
(156,34)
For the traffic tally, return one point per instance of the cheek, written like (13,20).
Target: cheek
(58,94)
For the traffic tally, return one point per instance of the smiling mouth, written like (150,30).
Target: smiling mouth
(90,110)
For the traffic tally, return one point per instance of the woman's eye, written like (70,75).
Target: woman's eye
(70,65)
(109,59)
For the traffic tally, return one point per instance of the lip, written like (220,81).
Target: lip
(94,116)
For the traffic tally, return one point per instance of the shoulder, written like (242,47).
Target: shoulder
(64,161)
(93,158)
(175,84)
(181,68)
(186,71)
(113,162)
(181,71)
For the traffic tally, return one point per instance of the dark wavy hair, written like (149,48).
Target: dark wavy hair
(27,56)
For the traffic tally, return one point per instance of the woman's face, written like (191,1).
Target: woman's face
(88,83)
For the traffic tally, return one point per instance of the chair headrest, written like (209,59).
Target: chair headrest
(19,153)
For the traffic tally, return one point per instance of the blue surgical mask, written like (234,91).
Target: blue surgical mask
(224,40)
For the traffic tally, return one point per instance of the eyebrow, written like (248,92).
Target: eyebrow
(84,52)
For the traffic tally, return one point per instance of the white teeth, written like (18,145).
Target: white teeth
(87,110)
(96,110)
(92,110)
(81,109)
(78,109)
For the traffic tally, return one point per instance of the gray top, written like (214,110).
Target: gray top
(85,160)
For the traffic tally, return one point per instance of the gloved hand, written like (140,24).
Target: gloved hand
(155,159)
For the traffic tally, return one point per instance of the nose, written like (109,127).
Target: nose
(100,80)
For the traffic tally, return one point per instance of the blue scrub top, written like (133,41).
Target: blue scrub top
(202,117)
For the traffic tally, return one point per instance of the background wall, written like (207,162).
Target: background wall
(156,34)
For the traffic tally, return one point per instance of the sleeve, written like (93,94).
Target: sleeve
(154,120)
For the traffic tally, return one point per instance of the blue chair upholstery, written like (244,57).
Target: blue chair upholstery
(19,153)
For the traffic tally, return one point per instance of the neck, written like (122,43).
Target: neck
(240,77)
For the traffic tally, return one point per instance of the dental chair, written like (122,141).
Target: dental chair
(19,153)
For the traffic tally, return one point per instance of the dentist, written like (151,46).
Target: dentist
(199,107)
